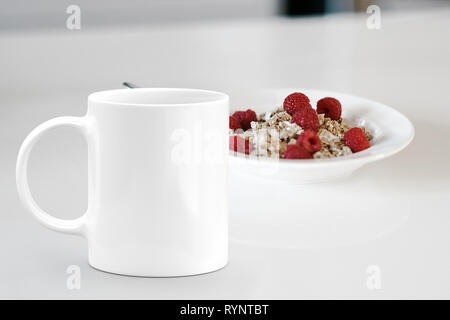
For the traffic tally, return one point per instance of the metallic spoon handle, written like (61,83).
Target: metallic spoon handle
(130,85)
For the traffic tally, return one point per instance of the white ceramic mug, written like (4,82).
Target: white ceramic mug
(157,168)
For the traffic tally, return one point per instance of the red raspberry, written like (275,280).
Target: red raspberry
(356,140)
(239,144)
(307,119)
(294,102)
(239,115)
(234,123)
(310,141)
(331,107)
(294,151)
(245,118)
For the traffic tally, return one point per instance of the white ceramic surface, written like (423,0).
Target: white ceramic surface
(391,130)
(157,206)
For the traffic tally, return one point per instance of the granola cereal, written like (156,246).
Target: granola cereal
(274,130)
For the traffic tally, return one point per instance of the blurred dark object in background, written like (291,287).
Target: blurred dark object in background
(301,8)
(295,8)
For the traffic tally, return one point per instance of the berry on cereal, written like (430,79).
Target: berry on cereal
(294,102)
(245,118)
(295,151)
(234,123)
(239,144)
(330,107)
(310,141)
(306,118)
(356,140)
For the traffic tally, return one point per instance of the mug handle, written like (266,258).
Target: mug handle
(74,226)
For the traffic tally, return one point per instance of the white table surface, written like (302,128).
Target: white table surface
(406,65)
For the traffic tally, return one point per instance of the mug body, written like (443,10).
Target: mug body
(157,181)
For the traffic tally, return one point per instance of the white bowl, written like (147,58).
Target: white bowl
(391,131)
(274,204)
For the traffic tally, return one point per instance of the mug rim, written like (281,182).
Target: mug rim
(101,97)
